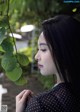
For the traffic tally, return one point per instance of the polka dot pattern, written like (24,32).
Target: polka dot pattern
(58,99)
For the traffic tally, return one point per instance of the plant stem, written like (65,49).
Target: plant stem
(10,27)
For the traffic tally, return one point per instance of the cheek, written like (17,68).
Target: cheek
(49,66)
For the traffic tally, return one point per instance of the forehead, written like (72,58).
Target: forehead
(41,40)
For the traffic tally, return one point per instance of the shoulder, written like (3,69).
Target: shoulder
(50,99)
(57,93)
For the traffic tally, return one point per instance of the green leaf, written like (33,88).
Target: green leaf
(23,59)
(21,81)
(7,45)
(10,39)
(2,34)
(1,49)
(15,74)
(74,10)
(8,62)
(4,21)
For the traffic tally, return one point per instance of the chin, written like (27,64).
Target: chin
(45,74)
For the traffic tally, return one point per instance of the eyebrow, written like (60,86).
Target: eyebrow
(43,44)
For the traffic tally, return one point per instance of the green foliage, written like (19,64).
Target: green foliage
(7,46)
(3,21)
(2,34)
(23,59)
(8,62)
(11,61)
(14,74)
(47,82)
(74,10)
(26,51)
(35,11)
(21,81)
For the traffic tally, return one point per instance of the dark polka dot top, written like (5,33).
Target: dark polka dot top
(58,99)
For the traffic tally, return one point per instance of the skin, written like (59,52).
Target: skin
(21,100)
(46,66)
(44,58)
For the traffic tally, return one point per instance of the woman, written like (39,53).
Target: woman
(58,54)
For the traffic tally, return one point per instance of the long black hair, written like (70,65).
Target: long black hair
(62,33)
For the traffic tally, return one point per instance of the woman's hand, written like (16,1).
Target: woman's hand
(21,100)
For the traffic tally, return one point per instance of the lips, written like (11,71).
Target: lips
(40,66)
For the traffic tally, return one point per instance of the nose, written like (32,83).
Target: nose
(37,56)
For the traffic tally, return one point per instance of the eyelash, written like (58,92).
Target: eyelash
(42,50)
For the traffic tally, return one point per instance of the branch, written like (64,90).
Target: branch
(10,27)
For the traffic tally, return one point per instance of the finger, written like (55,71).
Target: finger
(20,94)
(26,95)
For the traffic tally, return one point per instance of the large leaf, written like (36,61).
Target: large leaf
(7,45)
(21,81)
(8,62)
(2,34)
(15,74)
(23,59)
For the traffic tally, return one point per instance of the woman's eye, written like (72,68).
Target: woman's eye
(43,50)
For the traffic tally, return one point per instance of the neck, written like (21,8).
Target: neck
(59,79)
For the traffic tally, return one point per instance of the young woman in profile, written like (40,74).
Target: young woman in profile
(59,54)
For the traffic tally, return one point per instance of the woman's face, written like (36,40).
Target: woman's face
(44,58)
